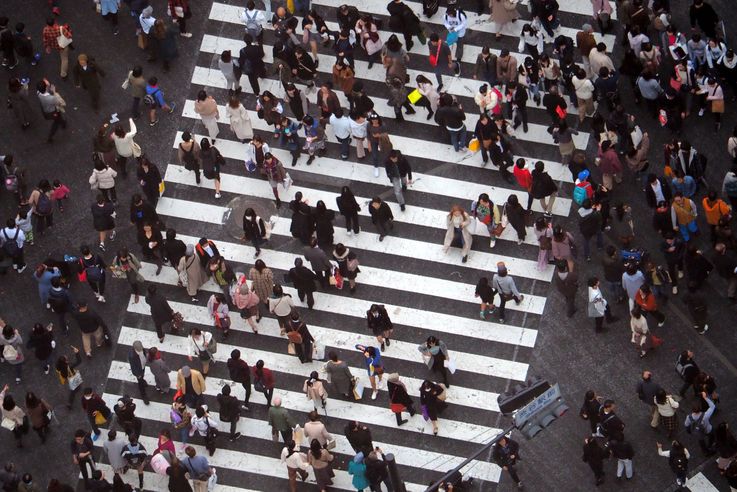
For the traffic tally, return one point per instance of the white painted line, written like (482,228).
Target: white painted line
(370,275)
(422,319)
(153,481)
(259,188)
(537,133)
(226,459)
(465,191)
(230,13)
(699,483)
(258,429)
(342,340)
(411,147)
(297,401)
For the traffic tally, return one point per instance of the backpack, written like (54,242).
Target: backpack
(697,426)
(11,180)
(678,462)
(44,206)
(252,27)
(579,193)
(149,99)
(681,368)
(10,246)
(10,353)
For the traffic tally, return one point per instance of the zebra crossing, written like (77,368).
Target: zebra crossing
(425,291)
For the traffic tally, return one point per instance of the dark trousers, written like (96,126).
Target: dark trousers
(345,147)
(597,468)
(659,317)
(121,163)
(98,287)
(308,294)
(503,302)
(247,388)
(673,268)
(142,384)
(95,97)
(110,194)
(268,393)
(376,487)
(599,320)
(383,228)
(18,260)
(253,80)
(410,409)
(83,464)
(351,222)
(132,427)
(58,121)
(135,107)
(570,305)
(513,473)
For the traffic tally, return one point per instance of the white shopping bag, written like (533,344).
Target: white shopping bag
(159,463)
(319,352)
(212,481)
(451,365)
(287,182)
(358,385)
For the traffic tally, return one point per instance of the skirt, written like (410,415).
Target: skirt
(324,476)
(670,423)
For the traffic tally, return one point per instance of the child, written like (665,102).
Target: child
(23,220)
(486,293)
(59,193)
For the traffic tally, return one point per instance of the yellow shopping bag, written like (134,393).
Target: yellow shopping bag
(474,145)
(162,187)
(414,96)
(290,6)
(100,418)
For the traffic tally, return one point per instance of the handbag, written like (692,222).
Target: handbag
(136,149)
(450,365)
(127,82)
(177,321)
(560,112)
(75,381)
(358,386)
(330,444)
(474,145)
(8,424)
(294,336)
(451,38)
(223,323)
(291,350)
(62,39)
(414,96)
(717,106)
(397,407)
(100,418)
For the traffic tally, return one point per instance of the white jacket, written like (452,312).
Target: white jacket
(200,425)
(124,146)
(583,87)
(103,180)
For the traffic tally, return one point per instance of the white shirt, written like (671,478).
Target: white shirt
(457,23)
(200,425)
(124,145)
(341,126)
(9,233)
(146,23)
(659,197)
(255,15)
(194,346)
(358,130)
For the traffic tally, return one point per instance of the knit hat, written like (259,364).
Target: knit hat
(583,175)
(186,371)
(358,458)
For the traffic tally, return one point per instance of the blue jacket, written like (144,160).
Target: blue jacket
(688,187)
(156,93)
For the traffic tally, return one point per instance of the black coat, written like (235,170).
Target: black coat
(542,184)
(303,278)
(253,55)
(650,194)
(161,312)
(590,224)
(502,456)
(398,394)
(239,371)
(89,79)
(174,250)
(229,408)
(145,212)
(381,215)
(593,454)
(150,179)
(569,286)
(359,439)
(724,265)
(347,206)
(41,343)
(303,225)
(324,227)
(403,19)
(253,229)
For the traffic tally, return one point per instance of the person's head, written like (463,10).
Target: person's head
(720,248)
(513,201)
(501,269)
(687,354)
(259,265)
(340,249)
(434,38)
(82,60)
(226,390)
(201,95)
(661,396)
(79,435)
(593,282)
(259,365)
(190,452)
(278,290)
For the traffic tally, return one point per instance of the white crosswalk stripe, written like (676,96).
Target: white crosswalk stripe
(407,272)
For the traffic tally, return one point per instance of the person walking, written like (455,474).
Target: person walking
(14,417)
(152,244)
(137,85)
(517,217)
(502,13)
(254,230)
(598,307)
(159,369)
(349,208)
(435,355)
(432,402)
(12,244)
(647,389)
(198,468)
(42,342)
(458,231)
(92,269)
(667,407)
(440,57)
(68,375)
(380,324)
(678,457)
(698,307)
(113,448)
(58,38)
(191,273)
(202,345)
(91,325)
(240,121)
(82,448)
(38,415)
(149,177)
(506,287)
(262,282)
(339,375)
(567,283)
(315,390)
(263,381)
(381,217)
(191,383)
(154,99)
(505,453)
(103,219)
(135,456)
(282,306)
(594,456)
(229,411)
(280,420)
(239,372)
(161,312)
(296,462)
(399,399)
(207,108)
(96,411)
(304,281)
(137,360)
(103,179)
(87,75)
(126,265)
(300,338)
(189,155)
(698,423)
(217,308)
(125,146)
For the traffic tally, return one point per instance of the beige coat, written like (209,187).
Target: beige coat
(206,108)
(240,122)
(316,392)
(465,231)
(502,12)
(196,275)
(317,430)
(103,180)
(262,283)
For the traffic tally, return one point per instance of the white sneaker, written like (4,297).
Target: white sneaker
(20,270)
(701,112)
(373,395)
(492,243)
(706,328)
(674,290)
(350,233)
(101,299)
(680,273)
(185,34)
(376,172)
(217,195)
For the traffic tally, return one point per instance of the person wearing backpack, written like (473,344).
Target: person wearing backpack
(698,422)
(583,188)
(43,209)
(254,21)
(678,457)
(12,353)
(14,177)
(688,370)
(154,99)
(92,269)
(12,240)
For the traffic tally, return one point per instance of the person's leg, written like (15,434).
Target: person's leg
(620,467)
(87,344)
(247,389)
(397,184)
(268,393)
(598,323)
(64,58)
(310,299)
(502,304)
(513,473)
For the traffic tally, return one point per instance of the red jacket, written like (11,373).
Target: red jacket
(268,377)
(648,303)
(524,178)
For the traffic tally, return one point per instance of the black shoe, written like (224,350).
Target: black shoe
(402,207)
(383,347)
(310,160)
(388,342)
(464,259)
(235,436)
(402,422)
(430,115)
(411,110)
(278,204)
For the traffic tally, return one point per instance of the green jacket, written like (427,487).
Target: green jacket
(279,419)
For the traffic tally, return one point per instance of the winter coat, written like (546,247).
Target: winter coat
(196,275)
(465,232)
(262,283)
(340,377)
(103,180)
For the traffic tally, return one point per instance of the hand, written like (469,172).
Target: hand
(74,349)
(505,468)
(704,395)
(190,358)
(5,388)
(658,445)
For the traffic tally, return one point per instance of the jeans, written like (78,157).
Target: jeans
(135,107)
(268,393)
(345,147)
(503,302)
(397,183)
(98,287)
(458,138)
(440,68)
(688,229)
(626,466)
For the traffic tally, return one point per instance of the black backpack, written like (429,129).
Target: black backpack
(678,462)
(10,246)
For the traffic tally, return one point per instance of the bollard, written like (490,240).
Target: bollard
(394,473)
